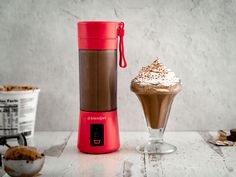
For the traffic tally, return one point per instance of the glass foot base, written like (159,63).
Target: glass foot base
(156,148)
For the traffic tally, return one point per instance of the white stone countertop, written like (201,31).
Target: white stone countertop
(194,157)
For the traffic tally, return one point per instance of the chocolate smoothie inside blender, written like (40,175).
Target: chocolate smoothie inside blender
(98,80)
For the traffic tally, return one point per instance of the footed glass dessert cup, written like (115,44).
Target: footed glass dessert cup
(156,87)
(156,108)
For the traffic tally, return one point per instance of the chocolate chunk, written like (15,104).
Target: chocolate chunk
(231,138)
(233,132)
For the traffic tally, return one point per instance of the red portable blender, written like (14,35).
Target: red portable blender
(98,125)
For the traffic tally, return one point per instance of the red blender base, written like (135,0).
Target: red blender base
(98,132)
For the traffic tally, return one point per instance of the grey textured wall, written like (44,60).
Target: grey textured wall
(197,39)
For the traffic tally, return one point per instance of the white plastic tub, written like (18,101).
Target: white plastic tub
(18,106)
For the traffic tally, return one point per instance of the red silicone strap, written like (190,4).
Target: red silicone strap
(122,61)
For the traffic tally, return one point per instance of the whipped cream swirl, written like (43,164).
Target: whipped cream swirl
(156,74)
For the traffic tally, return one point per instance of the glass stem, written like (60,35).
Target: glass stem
(155,135)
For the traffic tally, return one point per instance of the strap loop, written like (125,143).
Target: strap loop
(121,32)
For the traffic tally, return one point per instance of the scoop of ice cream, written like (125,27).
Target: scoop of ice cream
(23,153)
(156,76)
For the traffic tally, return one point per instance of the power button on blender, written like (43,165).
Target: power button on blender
(96,134)
(96,141)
